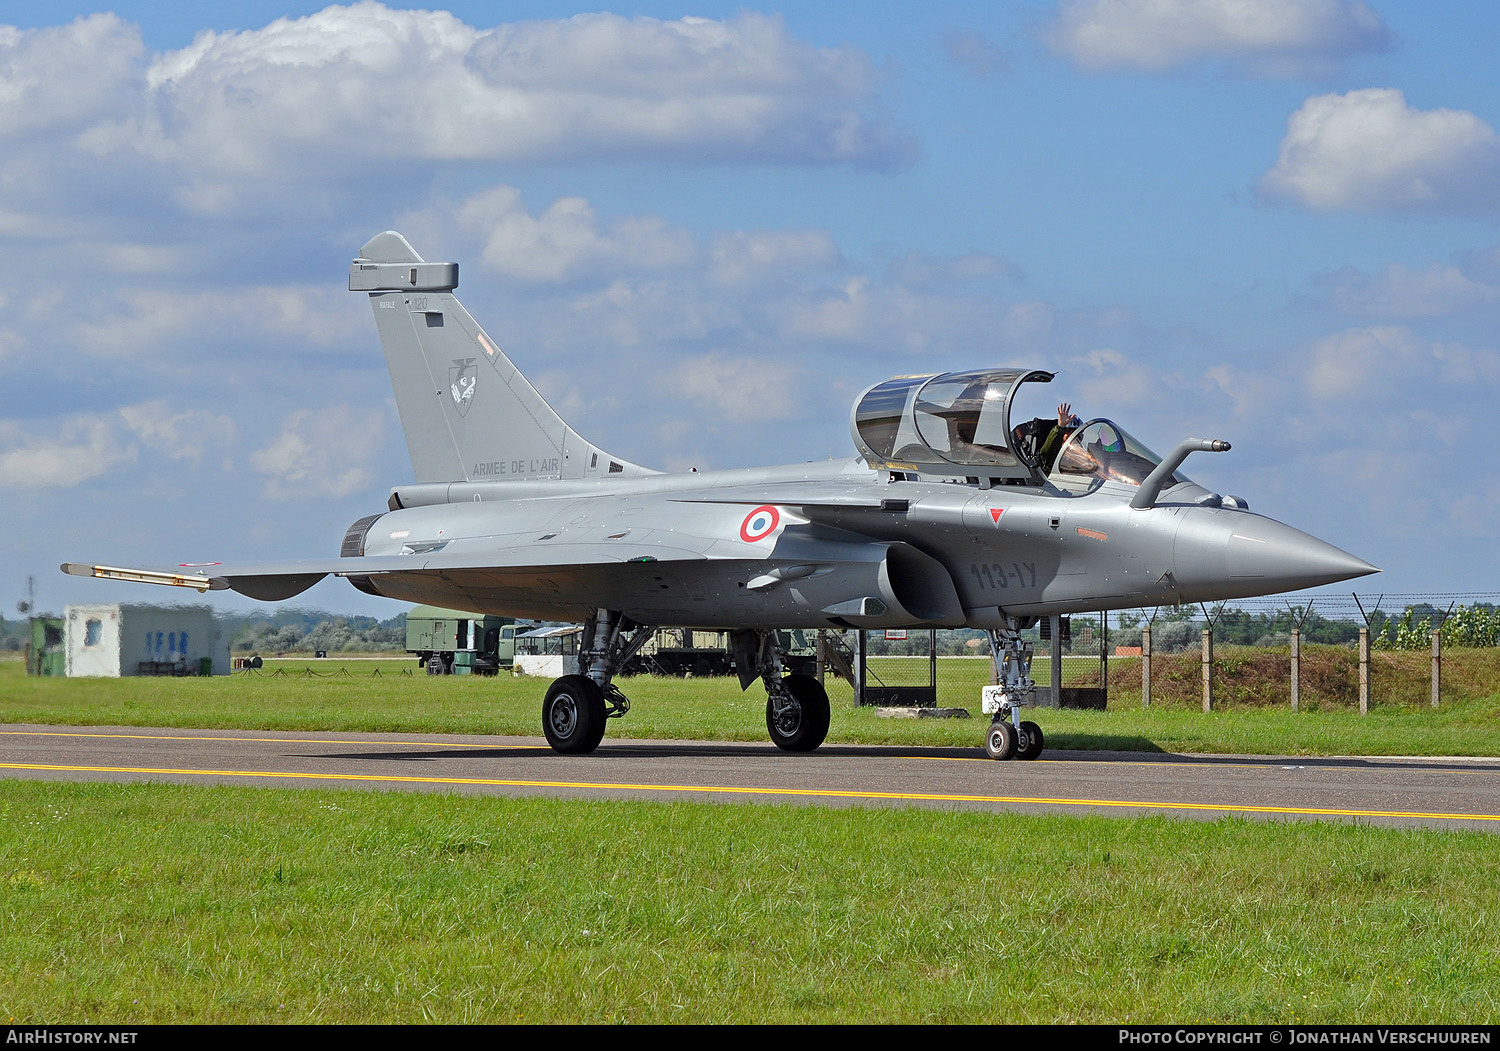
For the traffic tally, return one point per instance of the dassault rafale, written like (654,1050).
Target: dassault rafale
(952,515)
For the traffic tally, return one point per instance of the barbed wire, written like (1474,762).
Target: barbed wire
(308,673)
(1355,606)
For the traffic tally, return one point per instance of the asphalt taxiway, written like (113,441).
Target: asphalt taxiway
(1434,793)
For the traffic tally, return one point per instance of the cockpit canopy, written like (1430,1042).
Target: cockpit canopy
(1101,451)
(956,423)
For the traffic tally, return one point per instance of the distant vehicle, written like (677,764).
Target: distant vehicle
(952,515)
(684,651)
(46,650)
(453,642)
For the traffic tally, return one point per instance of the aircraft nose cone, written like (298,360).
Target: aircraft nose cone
(1286,559)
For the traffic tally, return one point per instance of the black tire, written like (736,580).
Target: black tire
(805,729)
(435,665)
(573,715)
(1029,745)
(1000,740)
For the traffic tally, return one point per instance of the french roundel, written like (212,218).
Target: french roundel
(759,524)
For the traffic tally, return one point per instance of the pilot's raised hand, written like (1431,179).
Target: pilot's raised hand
(1064,415)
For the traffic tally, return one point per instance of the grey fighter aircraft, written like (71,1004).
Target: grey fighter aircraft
(950,516)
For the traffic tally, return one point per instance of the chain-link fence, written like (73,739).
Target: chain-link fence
(1350,652)
(1327,652)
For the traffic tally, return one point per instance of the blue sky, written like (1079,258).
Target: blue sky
(701,231)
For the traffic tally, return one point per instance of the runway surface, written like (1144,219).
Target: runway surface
(1433,793)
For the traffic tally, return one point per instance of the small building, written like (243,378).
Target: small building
(116,639)
(548,652)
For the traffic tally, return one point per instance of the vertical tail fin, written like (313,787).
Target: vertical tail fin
(468,413)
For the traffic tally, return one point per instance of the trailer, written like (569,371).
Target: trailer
(453,642)
(693,651)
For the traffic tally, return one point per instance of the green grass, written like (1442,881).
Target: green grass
(715,709)
(130,904)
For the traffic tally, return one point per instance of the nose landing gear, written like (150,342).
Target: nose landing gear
(1008,737)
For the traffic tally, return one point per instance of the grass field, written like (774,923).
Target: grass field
(347,695)
(160,903)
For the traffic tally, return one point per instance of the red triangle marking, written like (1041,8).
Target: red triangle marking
(995,513)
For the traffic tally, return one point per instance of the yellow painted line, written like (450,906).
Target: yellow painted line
(272,740)
(1185,759)
(820,793)
(1307,762)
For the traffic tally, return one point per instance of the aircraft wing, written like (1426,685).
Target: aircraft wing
(275,581)
(809,496)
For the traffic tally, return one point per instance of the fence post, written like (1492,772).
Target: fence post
(1056,661)
(1437,665)
(1296,668)
(1208,669)
(861,652)
(1104,652)
(1146,666)
(932,659)
(1364,671)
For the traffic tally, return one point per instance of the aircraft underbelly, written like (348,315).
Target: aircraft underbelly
(887,586)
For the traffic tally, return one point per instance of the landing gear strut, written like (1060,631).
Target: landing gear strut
(796,705)
(576,706)
(1008,737)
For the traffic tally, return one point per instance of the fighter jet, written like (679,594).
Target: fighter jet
(951,515)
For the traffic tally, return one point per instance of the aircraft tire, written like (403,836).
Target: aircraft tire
(573,715)
(1000,740)
(1031,735)
(812,726)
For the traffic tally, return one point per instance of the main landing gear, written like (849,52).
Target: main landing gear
(796,705)
(576,707)
(1008,737)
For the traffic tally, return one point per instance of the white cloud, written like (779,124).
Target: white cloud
(753,256)
(919,269)
(1273,37)
(1401,292)
(62,78)
(1390,360)
(80,449)
(1459,364)
(62,453)
(1253,393)
(1107,377)
(1368,150)
(147,324)
(739,389)
(350,86)
(180,434)
(843,316)
(1347,362)
(324,453)
(567,241)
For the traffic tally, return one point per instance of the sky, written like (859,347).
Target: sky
(702,231)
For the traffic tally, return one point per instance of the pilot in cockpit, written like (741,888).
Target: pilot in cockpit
(1051,441)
